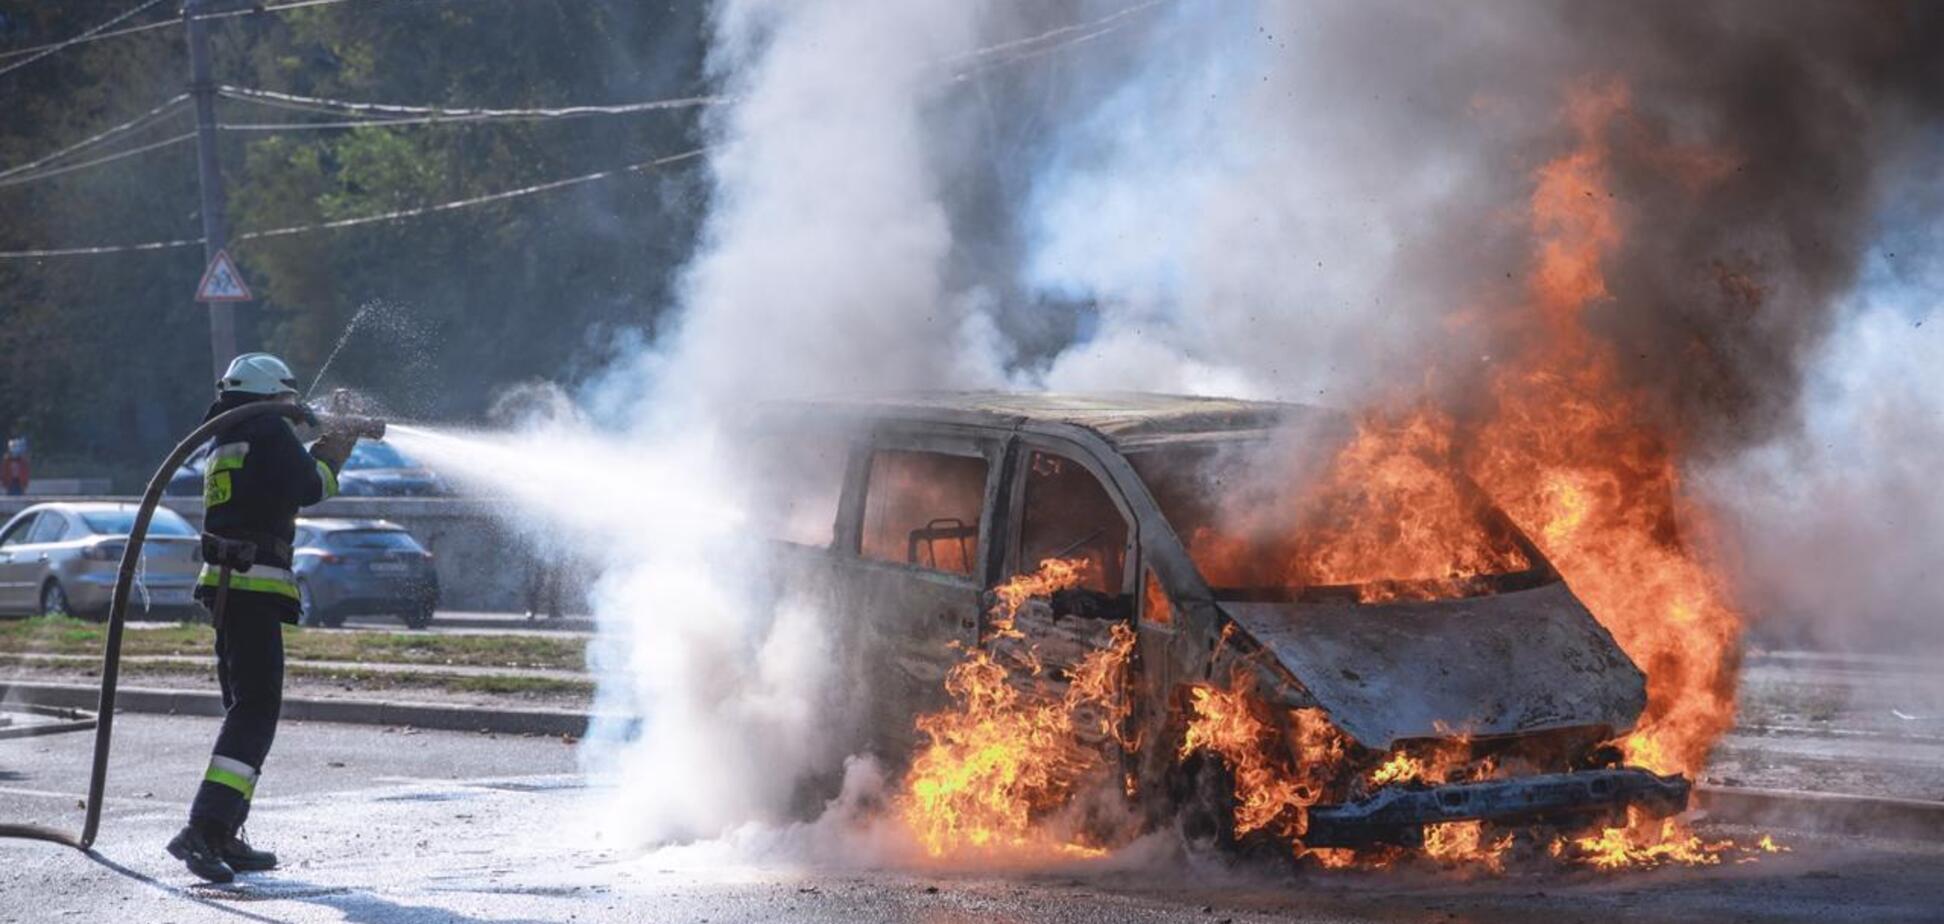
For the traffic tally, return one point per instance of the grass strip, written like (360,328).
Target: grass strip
(509,684)
(65,635)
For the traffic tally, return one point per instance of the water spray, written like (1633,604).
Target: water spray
(350,328)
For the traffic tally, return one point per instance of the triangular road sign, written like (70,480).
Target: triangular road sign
(221,282)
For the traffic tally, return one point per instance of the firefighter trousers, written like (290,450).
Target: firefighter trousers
(250,667)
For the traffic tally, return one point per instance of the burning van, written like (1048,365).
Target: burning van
(1254,642)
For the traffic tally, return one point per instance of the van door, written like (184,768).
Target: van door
(1066,508)
(916,541)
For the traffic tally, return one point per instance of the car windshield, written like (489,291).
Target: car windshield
(166,522)
(373,539)
(1325,517)
(368,454)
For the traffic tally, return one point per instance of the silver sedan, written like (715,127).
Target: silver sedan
(62,558)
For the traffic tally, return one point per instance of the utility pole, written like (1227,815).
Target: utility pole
(215,221)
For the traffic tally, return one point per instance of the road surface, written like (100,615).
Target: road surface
(385,825)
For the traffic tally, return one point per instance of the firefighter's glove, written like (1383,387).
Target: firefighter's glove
(334,447)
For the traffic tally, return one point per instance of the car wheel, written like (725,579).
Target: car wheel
(419,618)
(53,600)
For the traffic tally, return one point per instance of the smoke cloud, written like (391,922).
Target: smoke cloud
(1315,202)
(1841,524)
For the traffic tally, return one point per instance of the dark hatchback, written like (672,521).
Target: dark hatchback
(347,567)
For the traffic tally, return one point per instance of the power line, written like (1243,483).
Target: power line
(150,27)
(535,189)
(1054,36)
(70,168)
(1028,47)
(381,110)
(111,248)
(642,167)
(57,46)
(118,33)
(140,121)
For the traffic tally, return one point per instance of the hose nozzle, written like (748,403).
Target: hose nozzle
(364,428)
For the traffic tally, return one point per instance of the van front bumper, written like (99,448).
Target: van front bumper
(1398,814)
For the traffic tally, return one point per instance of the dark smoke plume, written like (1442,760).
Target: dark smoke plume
(1307,200)
(1723,289)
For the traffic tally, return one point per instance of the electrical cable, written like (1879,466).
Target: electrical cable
(70,168)
(85,36)
(118,33)
(108,248)
(1061,37)
(380,110)
(164,24)
(642,167)
(1094,27)
(140,121)
(400,214)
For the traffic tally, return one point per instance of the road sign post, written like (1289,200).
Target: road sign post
(223,339)
(222,283)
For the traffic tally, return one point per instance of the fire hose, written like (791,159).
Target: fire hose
(118,605)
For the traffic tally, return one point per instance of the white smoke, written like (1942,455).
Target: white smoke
(820,270)
(1276,200)
(1258,197)
(1841,526)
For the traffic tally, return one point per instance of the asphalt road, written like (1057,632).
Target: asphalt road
(383,825)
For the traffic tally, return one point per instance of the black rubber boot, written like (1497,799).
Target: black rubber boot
(193,849)
(247,859)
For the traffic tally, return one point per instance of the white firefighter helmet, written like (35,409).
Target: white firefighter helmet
(258,374)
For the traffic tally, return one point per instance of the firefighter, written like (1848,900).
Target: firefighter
(255,478)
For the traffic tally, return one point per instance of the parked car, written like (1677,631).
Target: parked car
(63,558)
(188,478)
(375,469)
(347,567)
(922,504)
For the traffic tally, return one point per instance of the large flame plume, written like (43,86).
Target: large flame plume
(1568,452)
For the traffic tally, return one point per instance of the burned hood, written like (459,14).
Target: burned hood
(1506,664)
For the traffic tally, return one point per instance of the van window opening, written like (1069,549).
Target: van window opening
(923,509)
(1069,514)
(796,483)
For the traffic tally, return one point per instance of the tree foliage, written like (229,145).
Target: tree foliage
(104,359)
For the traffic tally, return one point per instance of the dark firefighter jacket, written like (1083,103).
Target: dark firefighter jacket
(256,477)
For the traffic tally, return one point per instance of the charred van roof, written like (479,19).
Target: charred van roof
(1125,419)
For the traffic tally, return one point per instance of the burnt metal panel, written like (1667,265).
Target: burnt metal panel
(1506,664)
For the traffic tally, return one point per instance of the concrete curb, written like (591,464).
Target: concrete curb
(1876,816)
(348,711)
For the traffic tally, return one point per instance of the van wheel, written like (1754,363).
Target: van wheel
(1203,791)
(53,600)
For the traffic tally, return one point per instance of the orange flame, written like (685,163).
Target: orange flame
(1573,456)
(1002,758)
(1271,793)
(1388,517)
(1606,503)
(1464,843)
